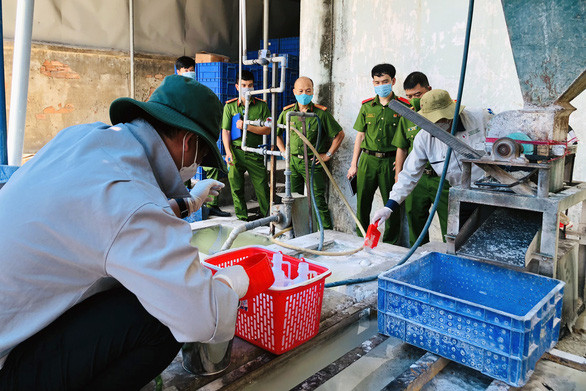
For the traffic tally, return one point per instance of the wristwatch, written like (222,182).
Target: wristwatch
(328,154)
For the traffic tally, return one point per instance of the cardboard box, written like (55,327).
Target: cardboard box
(210,57)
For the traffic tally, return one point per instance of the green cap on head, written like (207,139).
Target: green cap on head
(437,104)
(183,103)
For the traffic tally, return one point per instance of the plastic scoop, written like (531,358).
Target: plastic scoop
(372,235)
(260,274)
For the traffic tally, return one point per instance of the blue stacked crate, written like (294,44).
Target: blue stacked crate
(495,320)
(200,174)
(289,46)
(220,77)
(274,45)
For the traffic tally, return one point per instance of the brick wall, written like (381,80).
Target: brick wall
(69,85)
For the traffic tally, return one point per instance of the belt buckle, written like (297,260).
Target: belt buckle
(379,154)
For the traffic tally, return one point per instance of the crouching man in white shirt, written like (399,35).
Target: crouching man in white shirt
(438,107)
(99,284)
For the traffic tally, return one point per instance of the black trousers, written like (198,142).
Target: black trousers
(107,342)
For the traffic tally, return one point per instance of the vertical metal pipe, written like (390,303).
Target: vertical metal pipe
(265,68)
(243,15)
(273,161)
(131,27)
(288,155)
(3,145)
(240,10)
(265,38)
(20,73)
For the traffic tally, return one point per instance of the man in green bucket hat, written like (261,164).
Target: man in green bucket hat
(99,284)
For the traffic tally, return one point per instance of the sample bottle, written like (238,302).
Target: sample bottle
(281,279)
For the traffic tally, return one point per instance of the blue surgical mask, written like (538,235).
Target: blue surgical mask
(383,90)
(190,75)
(303,99)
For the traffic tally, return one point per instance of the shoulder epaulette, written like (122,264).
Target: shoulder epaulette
(320,107)
(367,100)
(231,100)
(405,101)
(288,107)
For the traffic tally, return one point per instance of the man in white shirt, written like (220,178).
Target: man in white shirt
(438,107)
(99,284)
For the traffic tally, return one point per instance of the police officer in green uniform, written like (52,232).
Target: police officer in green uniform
(376,125)
(330,139)
(240,161)
(422,197)
(185,66)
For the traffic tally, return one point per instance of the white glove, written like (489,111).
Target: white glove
(381,215)
(203,190)
(235,277)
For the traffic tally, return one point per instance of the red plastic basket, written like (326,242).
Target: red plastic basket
(281,318)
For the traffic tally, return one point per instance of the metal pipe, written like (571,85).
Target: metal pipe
(247,227)
(265,37)
(273,161)
(20,75)
(131,27)
(243,31)
(281,88)
(3,145)
(239,48)
(288,146)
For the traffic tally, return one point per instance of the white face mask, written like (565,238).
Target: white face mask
(244,90)
(186,173)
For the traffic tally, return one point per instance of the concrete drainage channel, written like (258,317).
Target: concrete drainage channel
(348,353)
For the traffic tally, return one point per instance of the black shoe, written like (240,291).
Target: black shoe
(215,211)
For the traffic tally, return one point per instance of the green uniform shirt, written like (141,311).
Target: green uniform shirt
(379,124)
(330,128)
(405,135)
(258,109)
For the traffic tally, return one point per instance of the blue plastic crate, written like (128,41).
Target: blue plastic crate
(273,45)
(199,215)
(217,70)
(495,320)
(292,62)
(289,45)
(219,86)
(200,174)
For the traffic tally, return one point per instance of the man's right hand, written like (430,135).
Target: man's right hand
(351,171)
(381,216)
(228,158)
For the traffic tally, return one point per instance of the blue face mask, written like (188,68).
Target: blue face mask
(383,90)
(304,99)
(189,75)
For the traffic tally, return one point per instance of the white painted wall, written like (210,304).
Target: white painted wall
(417,35)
